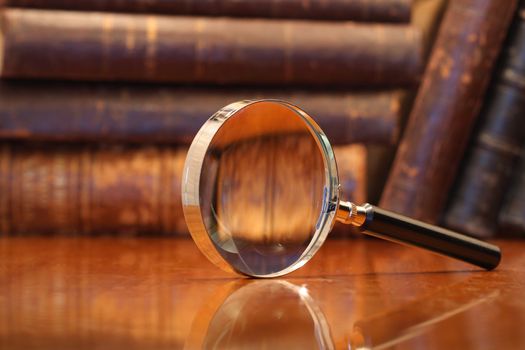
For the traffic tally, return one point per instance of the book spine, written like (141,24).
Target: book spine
(55,189)
(512,215)
(119,47)
(446,107)
(496,146)
(354,10)
(75,189)
(78,112)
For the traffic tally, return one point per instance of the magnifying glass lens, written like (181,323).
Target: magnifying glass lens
(262,187)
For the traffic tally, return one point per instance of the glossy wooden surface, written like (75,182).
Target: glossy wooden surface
(108,293)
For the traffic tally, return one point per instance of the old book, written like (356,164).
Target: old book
(134,113)
(511,218)
(90,190)
(446,107)
(355,10)
(110,47)
(426,15)
(76,189)
(496,147)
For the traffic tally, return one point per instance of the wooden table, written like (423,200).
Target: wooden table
(108,293)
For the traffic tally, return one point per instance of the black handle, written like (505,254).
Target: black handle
(391,226)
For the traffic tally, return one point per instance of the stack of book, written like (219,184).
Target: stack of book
(458,161)
(100,99)
(489,195)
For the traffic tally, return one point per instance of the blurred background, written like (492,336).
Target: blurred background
(424,101)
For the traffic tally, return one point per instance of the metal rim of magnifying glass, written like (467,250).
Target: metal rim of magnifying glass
(191,180)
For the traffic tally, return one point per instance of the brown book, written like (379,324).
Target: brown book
(496,147)
(446,107)
(512,215)
(92,189)
(76,189)
(355,10)
(131,113)
(111,47)
(426,15)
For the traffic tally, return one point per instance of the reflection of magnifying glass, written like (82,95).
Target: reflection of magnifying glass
(276,314)
(260,315)
(260,194)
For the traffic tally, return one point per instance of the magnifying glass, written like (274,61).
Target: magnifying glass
(260,194)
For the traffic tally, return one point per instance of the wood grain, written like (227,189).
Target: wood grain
(161,293)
